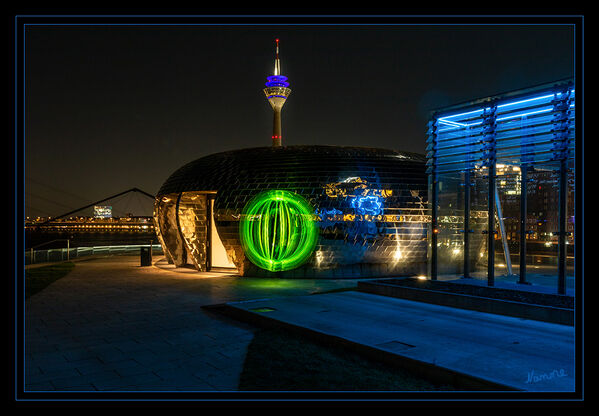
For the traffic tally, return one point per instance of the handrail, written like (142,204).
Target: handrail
(93,249)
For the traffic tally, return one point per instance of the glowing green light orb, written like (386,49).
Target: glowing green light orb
(277,230)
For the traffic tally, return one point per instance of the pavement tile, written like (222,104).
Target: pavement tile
(129,368)
(42,386)
(198,387)
(171,352)
(89,366)
(32,370)
(48,375)
(84,387)
(78,354)
(221,381)
(125,382)
(48,357)
(173,373)
(62,383)
(128,346)
(154,362)
(106,353)
(103,378)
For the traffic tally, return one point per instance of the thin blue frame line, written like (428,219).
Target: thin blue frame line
(23,235)
(287,24)
(15,204)
(244,24)
(318,399)
(299,15)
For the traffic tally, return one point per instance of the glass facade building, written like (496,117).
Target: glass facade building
(501,175)
(298,212)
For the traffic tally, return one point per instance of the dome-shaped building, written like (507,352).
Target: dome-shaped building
(297,211)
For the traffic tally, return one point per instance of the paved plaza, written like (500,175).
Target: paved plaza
(112,325)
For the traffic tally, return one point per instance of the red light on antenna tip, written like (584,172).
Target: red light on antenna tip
(277,40)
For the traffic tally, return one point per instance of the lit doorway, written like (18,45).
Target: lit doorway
(218,259)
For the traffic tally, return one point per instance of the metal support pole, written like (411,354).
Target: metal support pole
(432,139)
(434,226)
(561,129)
(68,246)
(523,231)
(489,124)
(209,236)
(491,228)
(506,249)
(563,192)
(467,224)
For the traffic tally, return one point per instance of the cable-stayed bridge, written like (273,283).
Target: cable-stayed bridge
(121,218)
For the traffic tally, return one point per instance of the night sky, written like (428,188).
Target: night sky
(109,108)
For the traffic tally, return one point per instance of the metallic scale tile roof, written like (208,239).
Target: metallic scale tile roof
(281,166)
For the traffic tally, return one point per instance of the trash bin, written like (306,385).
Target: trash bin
(146,256)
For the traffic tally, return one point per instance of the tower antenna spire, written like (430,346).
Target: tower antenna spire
(277,61)
(276,92)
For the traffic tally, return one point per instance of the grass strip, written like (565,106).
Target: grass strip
(278,360)
(38,278)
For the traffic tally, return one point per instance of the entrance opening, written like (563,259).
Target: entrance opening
(218,254)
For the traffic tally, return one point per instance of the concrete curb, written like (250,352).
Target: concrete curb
(436,374)
(476,303)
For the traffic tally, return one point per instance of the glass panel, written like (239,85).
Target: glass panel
(570,229)
(507,244)
(429,250)
(450,242)
(479,214)
(542,222)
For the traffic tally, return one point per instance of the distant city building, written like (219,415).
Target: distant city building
(102,211)
(90,224)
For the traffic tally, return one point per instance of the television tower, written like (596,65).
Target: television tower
(276,92)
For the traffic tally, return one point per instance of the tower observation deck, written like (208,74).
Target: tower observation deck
(276,92)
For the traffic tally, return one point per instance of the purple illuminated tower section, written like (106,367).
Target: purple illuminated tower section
(276,92)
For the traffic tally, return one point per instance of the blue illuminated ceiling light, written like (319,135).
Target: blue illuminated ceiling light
(452,122)
(526,128)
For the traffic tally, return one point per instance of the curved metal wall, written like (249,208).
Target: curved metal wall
(193,225)
(166,224)
(369,204)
